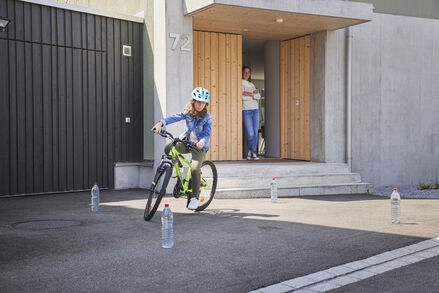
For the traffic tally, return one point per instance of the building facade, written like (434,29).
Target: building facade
(344,82)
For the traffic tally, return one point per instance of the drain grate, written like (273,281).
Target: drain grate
(37,225)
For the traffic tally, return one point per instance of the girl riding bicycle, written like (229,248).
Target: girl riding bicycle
(198,128)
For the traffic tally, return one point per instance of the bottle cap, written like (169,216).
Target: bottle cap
(395,188)
(167,205)
(95,182)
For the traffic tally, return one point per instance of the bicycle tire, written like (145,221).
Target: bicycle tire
(210,175)
(157,191)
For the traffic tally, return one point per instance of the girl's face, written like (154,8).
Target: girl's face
(199,106)
(246,74)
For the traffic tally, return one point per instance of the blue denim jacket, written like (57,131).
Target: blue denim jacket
(202,125)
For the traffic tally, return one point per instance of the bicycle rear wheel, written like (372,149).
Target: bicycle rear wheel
(158,189)
(209,180)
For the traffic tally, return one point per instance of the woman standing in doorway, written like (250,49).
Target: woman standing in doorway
(250,112)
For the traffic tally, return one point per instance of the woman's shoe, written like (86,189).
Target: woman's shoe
(254,156)
(249,155)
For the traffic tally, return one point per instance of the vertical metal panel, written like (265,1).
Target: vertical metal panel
(19,20)
(36,23)
(124,95)
(91,34)
(47,117)
(27,22)
(129,102)
(85,134)
(11,12)
(99,122)
(4,119)
(92,116)
(13,117)
(137,103)
(78,129)
(111,99)
(69,120)
(37,125)
(55,111)
(60,27)
(53,23)
(68,27)
(62,119)
(117,92)
(21,118)
(105,122)
(46,31)
(76,29)
(64,95)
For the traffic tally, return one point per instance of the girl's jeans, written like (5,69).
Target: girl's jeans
(251,123)
(197,159)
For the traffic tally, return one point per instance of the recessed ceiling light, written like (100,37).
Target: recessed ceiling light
(279,20)
(246,29)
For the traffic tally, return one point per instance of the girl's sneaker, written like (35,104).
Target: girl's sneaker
(254,156)
(249,155)
(193,204)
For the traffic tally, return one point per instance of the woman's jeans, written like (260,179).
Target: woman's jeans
(197,159)
(251,123)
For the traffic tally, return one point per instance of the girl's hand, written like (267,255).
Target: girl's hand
(244,93)
(199,145)
(157,128)
(255,92)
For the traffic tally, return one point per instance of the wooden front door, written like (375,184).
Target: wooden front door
(295,98)
(217,67)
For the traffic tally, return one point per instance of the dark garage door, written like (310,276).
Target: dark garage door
(65,90)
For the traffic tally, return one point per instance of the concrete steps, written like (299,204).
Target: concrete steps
(298,179)
(252,180)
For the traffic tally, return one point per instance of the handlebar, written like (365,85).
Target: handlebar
(189,144)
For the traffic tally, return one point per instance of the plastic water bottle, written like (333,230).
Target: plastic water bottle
(395,203)
(273,190)
(95,198)
(167,227)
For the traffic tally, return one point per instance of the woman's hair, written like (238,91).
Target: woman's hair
(247,67)
(190,109)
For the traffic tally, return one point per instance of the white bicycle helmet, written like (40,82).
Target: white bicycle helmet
(201,94)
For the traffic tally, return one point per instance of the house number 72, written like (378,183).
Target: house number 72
(177,37)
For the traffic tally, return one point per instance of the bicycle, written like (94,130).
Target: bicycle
(183,186)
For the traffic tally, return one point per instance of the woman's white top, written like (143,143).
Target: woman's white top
(249,102)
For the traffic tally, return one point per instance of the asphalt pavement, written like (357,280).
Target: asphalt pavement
(53,243)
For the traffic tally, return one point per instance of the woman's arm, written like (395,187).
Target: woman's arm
(246,95)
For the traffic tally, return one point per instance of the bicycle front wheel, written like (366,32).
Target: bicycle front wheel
(157,191)
(209,180)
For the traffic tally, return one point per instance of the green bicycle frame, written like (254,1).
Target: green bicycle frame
(176,156)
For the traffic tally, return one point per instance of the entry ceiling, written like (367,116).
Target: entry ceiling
(262,21)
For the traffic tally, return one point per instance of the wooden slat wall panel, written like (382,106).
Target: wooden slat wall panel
(295,98)
(64,95)
(217,67)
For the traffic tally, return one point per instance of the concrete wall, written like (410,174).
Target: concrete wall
(335,97)
(272,99)
(396,100)
(317,96)
(328,96)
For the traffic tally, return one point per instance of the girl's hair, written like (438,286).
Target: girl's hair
(248,67)
(190,109)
